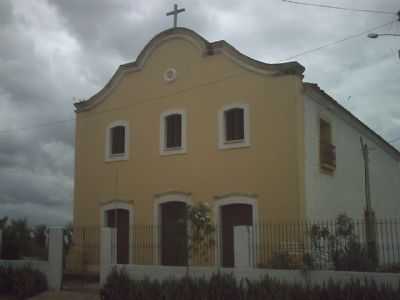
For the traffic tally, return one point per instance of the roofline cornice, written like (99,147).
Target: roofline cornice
(206,49)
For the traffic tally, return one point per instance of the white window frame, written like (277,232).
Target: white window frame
(222,142)
(163,140)
(124,156)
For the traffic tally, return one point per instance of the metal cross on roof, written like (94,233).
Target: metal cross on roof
(175,13)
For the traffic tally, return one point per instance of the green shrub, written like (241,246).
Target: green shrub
(118,286)
(225,286)
(6,280)
(28,282)
(280,260)
(22,282)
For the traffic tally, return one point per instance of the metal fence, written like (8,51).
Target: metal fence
(83,255)
(340,244)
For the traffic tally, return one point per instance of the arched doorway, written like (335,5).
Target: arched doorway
(236,212)
(171,234)
(232,215)
(119,215)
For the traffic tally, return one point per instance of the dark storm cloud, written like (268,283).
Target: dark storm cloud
(52,51)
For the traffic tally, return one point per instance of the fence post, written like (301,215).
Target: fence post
(56,255)
(108,251)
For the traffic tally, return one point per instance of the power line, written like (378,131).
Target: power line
(339,41)
(394,140)
(340,7)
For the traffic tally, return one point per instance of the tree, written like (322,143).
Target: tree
(17,239)
(39,234)
(200,237)
(340,248)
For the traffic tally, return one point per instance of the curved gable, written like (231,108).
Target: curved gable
(205,49)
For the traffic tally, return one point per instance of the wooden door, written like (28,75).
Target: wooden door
(232,215)
(173,234)
(119,218)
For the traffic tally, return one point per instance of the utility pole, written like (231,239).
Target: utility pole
(369,214)
(365,154)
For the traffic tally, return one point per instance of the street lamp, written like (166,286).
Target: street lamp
(373,35)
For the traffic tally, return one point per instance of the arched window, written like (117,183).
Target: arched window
(117,140)
(234,124)
(173,132)
(117,136)
(234,129)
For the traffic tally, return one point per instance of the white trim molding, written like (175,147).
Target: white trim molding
(158,200)
(118,157)
(178,150)
(233,198)
(222,142)
(119,204)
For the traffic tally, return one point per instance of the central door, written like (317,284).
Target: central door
(173,234)
(233,215)
(119,219)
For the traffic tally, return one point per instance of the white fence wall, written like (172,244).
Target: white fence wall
(53,268)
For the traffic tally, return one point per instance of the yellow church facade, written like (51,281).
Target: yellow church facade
(190,121)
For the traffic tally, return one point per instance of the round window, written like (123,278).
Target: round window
(170,75)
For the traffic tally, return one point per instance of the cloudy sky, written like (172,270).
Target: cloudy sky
(54,50)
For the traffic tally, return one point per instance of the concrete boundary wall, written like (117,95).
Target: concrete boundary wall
(53,267)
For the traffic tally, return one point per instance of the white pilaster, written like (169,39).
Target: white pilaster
(108,251)
(56,253)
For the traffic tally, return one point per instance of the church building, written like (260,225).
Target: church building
(196,121)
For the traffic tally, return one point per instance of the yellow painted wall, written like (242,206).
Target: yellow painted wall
(272,167)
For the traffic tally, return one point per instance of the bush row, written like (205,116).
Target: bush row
(219,287)
(21,283)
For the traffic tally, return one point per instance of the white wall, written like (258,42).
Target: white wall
(53,267)
(327,196)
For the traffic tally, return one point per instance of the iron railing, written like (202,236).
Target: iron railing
(330,245)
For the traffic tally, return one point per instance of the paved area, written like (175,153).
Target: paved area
(67,295)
